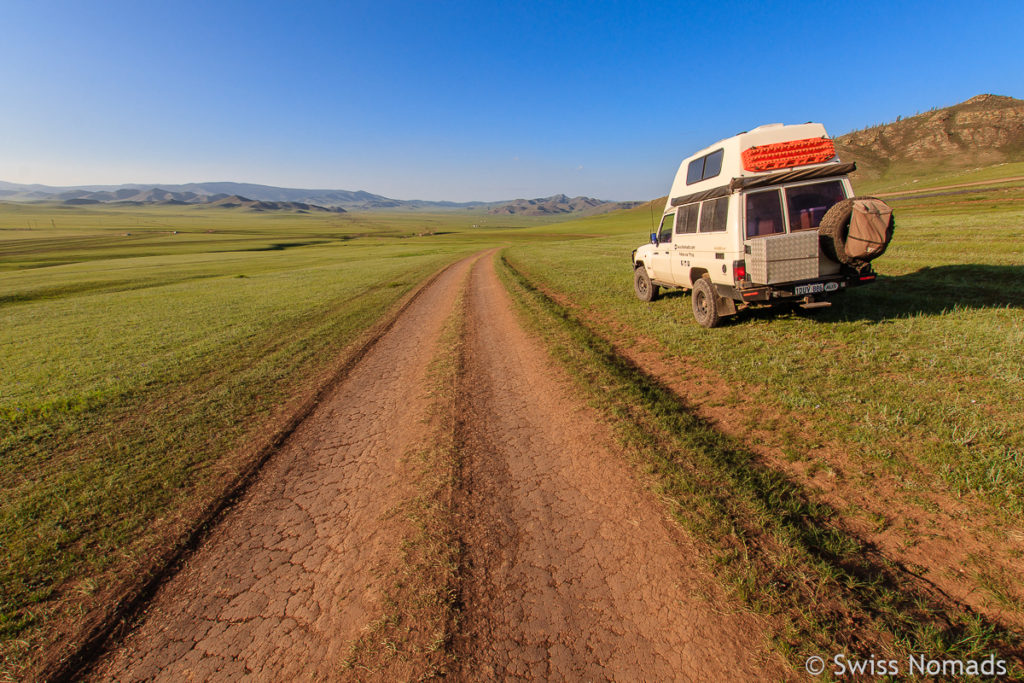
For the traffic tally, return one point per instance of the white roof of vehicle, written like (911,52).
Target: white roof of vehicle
(732,163)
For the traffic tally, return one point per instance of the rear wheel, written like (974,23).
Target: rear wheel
(642,285)
(705,303)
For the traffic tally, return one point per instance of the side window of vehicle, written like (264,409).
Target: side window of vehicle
(665,233)
(764,214)
(687,219)
(708,166)
(713,164)
(694,171)
(713,214)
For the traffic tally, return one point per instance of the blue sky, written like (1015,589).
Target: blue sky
(464,100)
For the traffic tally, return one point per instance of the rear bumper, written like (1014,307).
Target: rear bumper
(793,290)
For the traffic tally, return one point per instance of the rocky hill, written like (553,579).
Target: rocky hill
(984,130)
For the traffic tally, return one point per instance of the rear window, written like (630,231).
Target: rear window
(808,203)
(764,214)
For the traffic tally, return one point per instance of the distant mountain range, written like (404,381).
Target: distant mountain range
(267,198)
(206,193)
(159,196)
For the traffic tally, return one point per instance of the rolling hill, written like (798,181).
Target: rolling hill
(982,131)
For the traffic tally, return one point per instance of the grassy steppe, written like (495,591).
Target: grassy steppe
(139,369)
(143,350)
(914,178)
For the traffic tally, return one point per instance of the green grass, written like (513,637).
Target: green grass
(912,178)
(943,326)
(44,234)
(771,543)
(137,370)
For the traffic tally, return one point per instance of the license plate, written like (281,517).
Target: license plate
(809,289)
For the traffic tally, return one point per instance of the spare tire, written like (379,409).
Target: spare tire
(834,231)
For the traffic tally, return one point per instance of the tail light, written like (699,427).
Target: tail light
(739,271)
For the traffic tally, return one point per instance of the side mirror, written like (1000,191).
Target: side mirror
(654,238)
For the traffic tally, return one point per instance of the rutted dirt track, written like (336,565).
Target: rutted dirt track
(570,569)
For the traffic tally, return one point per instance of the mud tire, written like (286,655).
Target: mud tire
(705,303)
(834,228)
(642,285)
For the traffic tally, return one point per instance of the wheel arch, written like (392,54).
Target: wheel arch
(697,273)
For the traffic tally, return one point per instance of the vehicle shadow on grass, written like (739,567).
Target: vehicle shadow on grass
(928,291)
(933,291)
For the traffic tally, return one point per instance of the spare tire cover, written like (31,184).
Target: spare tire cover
(854,241)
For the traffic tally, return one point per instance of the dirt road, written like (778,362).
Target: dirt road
(572,572)
(570,569)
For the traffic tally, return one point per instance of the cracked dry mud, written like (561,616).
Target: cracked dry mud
(570,570)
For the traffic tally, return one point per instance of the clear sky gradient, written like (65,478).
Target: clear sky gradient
(464,100)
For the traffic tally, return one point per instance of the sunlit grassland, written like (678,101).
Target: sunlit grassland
(142,349)
(921,371)
(911,178)
(33,235)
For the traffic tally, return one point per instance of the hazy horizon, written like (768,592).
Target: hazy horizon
(462,101)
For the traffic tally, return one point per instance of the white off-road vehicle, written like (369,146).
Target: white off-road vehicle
(762,218)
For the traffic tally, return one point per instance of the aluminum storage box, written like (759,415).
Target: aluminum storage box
(782,258)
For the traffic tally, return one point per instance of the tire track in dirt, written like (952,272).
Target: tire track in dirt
(570,569)
(294,573)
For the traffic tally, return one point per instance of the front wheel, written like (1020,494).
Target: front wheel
(705,303)
(642,285)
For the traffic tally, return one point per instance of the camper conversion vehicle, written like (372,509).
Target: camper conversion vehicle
(762,218)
